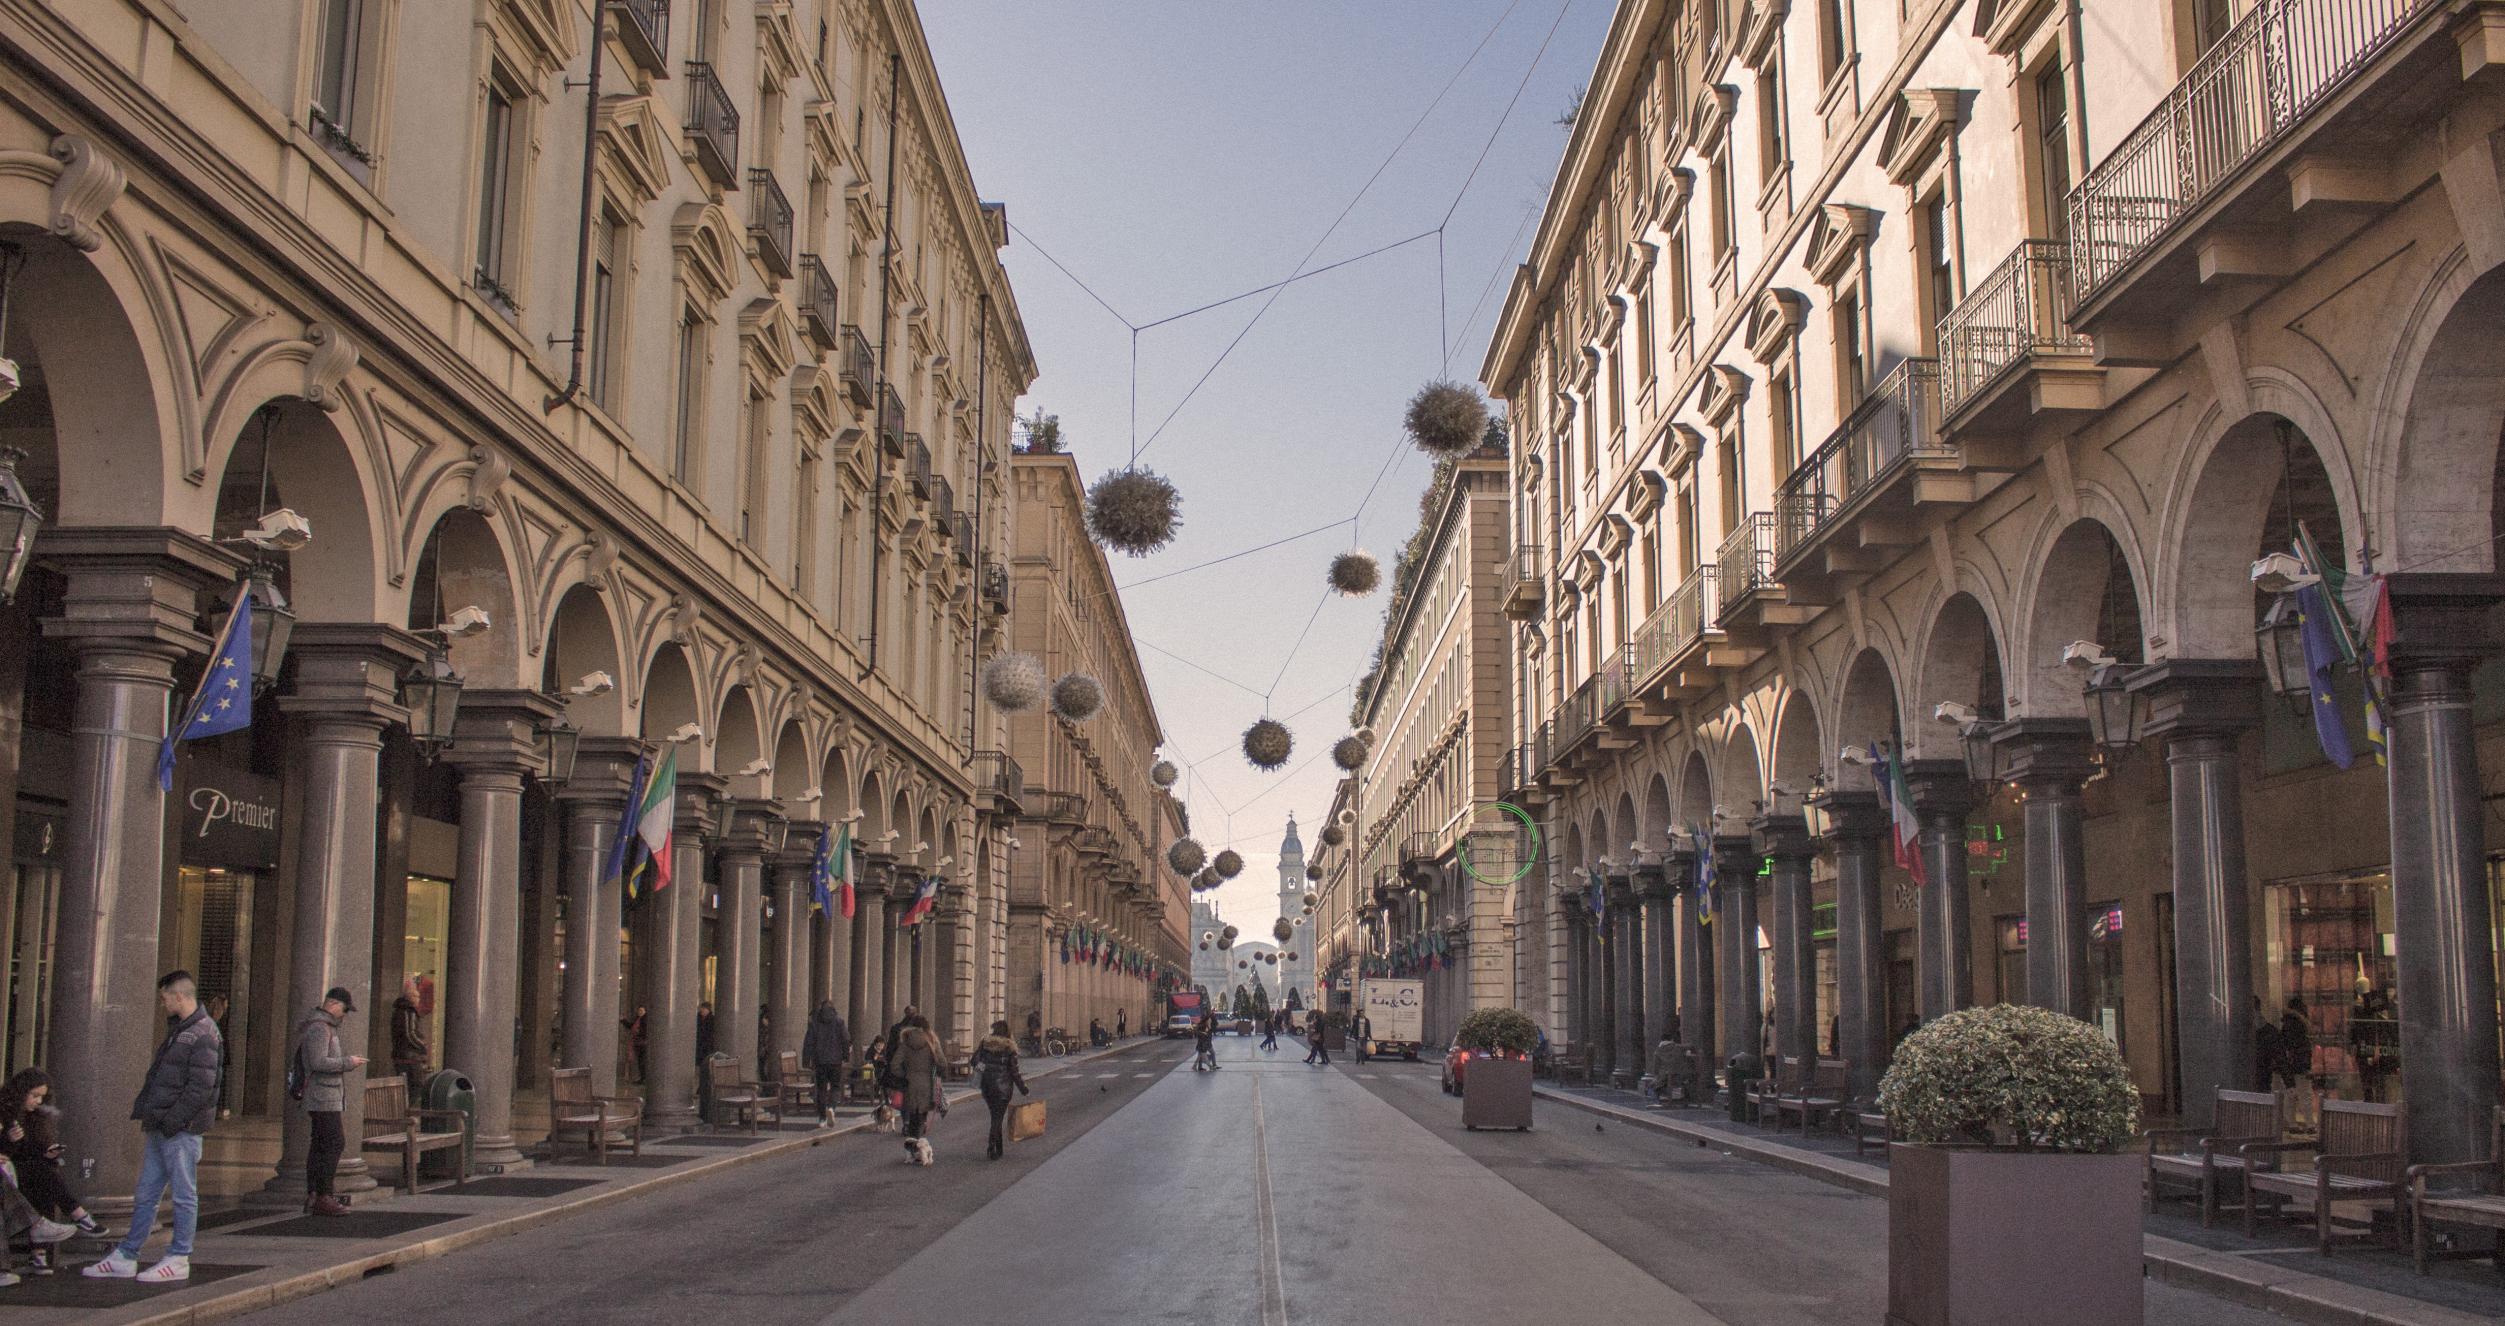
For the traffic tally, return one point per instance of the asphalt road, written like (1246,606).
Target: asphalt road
(1265,1194)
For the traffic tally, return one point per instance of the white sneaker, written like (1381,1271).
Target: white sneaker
(8,1278)
(826,1118)
(50,1231)
(115,1266)
(167,1271)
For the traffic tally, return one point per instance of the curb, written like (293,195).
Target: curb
(302,1284)
(2298,1295)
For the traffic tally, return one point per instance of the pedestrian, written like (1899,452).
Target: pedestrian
(1318,1049)
(915,1062)
(24,1224)
(32,1123)
(825,1048)
(996,1060)
(2296,1043)
(1362,1028)
(408,1037)
(1205,1043)
(634,1028)
(1096,1032)
(177,1103)
(704,1031)
(873,1082)
(319,1078)
(1121,1024)
(1270,1031)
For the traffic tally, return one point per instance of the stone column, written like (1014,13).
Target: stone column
(1854,826)
(742,857)
(834,977)
(1652,885)
(495,744)
(347,683)
(1603,992)
(2440,911)
(795,931)
(898,993)
(676,984)
(2050,759)
(869,973)
(128,617)
(1697,990)
(1784,841)
(1578,918)
(1626,935)
(594,804)
(1735,921)
(1942,798)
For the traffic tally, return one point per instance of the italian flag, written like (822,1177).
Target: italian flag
(844,870)
(656,819)
(1904,832)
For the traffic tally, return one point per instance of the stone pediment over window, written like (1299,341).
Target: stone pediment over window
(635,147)
(1681,444)
(702,237)
(821,122)
(1711,116)
(813,406)
(543,30)
(1918,127)
(1836,239)
(1774,321)
(1587,571)
(1723,390)
(778,46)
(1761,29)
(2005,25)
(1645,496)
(766,337)
(1615,532)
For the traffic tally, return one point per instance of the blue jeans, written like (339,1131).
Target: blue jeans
(165,1161)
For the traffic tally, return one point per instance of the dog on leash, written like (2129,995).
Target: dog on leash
(884,1119)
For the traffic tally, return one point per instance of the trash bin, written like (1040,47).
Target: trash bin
(1742,1073)
(450,1090)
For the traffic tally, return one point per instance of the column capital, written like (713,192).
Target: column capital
(1781,835)
(1940,787)
(1854,817)
(1733,852)
(134,587)
(1652,880)
(603,766)
(698,794)
(350,671)
(1618,891)
(800,845)
(748,827)
(2200,697)
(498,731)
(2441,619)
(2044,754)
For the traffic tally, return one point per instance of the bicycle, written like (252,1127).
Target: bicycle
(1056,1042)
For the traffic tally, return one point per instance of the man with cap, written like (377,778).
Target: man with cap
(321,1068)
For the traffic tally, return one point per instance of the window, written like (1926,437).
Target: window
(1644,333)
(1783,410)
(608,261)
(1725,213)
(1851,363)
(1834,39)
(491,273)
(1617,396)
(700,40)
(2052,147)
(2210,21)
(805,527)
(1652,568)
(1619,602)
(1676,259)
(1772,152)
(1733,491)
(1939,275)
(1689,538)
(755,440)
(687,436)
(342,94)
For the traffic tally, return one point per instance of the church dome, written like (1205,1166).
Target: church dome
(1290,845)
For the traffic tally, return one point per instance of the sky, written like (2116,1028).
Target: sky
(1167,155)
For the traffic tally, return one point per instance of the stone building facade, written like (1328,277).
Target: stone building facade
(1095,829)
(1869,358)
(672,339)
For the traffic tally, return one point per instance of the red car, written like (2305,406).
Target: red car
(1457,1064)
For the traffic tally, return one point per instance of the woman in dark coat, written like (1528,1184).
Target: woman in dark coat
(916,1059)
(996,1064)
(31,1124)
(825,1049)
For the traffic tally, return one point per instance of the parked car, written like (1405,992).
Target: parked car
(1240,1026)
(1180,1024)
(1457,1065)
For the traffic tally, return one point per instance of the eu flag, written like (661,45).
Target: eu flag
(2322,653)
(222,702)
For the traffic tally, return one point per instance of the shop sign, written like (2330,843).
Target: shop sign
(229,818)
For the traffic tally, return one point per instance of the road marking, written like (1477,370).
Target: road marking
(1367,1076)
(1273,1282)
(1101,1076)
(1143,1074)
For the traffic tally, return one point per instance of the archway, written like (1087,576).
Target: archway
(2262,482)
(1799,755)
(738,750)
(582,642)
(2445,511)
(290,454)
(463,565)
(94,408)
(794,772)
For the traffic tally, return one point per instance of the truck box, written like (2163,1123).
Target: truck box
(1395,1010)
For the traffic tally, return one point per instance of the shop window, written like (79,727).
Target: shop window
(2010,958)
(2330,945)
(426,939)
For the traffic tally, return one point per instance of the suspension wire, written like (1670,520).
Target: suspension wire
(1202,566)
(1248,690)
(1074,277)
(1302,276)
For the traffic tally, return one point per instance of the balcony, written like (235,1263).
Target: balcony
(856,368)
(1677,647)
(1059,807)
(1421,846)
(2319,87)
(817,303)
(1525,583)
(944,505)
(995,587)
(918,466)
(962,528)
(1751,596)
(769,222)
(2007,353)
(644,30)
(1854,501)
(999,782)
(891,421)
(712,125)
(1094,841)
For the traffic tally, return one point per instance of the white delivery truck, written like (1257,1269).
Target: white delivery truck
(1395,1014)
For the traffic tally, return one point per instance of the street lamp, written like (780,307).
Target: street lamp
(433,697)
(272,623)
(20,521)
(559,742)
(2115,713)
(2280,637)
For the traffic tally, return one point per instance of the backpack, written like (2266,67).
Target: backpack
(296,1074)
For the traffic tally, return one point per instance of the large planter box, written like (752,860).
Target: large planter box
(1979,1237)
(1334,1039)
(1496,1093)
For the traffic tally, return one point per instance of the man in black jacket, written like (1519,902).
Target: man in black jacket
(177,1103)
(826,1048)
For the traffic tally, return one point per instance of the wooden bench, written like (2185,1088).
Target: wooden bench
(748,1103)
(1766,1093)
(2359,1158)
(1870,1127)
(1566,1066)
(794,1088)
(391,1124)
(604,1121)
(2481,1204)
(2207,1157)
(1823,1093)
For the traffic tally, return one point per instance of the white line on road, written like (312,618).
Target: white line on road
(1273,1282)
(1143,1074)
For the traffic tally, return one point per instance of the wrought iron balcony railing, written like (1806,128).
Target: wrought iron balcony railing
(858,368)
(1525,576)
(918,465)
(891,421)
(2021,309)
(997,775)
(1745,565)
(770,221)
(644,29)
(1899,419)
(713,125)
(944,505)
(817,302)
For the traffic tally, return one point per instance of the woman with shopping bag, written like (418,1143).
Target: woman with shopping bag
(996,1060)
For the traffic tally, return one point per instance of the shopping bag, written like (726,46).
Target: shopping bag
(1026,1120)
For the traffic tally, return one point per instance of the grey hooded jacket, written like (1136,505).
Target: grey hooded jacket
(325,1064)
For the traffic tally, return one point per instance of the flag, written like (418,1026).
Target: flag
(2361,622)
(1904,831)
(655,821)
(622,849)
(1704,876)
(222,702)
(833,843)
(2314,615)
(1594,899)
(923,896)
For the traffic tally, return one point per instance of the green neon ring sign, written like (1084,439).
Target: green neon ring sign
(1461,849)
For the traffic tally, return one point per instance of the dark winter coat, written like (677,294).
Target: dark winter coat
(829,1042)
(996,1064)
(179,1095)
(916,1060)
(326,1065)
(39,1132)
(408,1031)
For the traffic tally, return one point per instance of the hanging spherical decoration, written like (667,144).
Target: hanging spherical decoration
(1311,901)
(1206,880)
(1136,511)
(1204,946)
(1270,958)
(1207,935)
(1013,682)
(1241,964)
(1077,697)
(1348,819)
(1164,774)
(1332,836)
(1348,753)
(1313,871)
(1282,930)
(1356,573)
(1267,744)
(1186,855)
(1228,863)
(1446,419)
(1366,735)
(1229,934)
(1291,957)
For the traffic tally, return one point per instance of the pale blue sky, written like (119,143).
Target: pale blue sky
(1171,154)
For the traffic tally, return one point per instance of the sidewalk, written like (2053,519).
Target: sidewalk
(250,1258)
(2278,1271)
